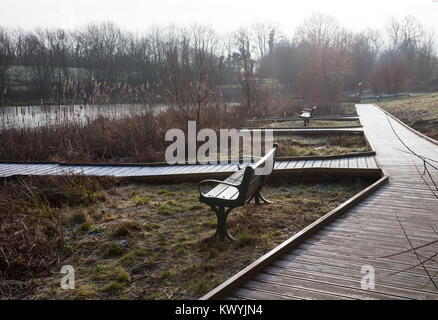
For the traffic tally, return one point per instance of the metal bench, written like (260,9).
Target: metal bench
(239,188)
(306,114)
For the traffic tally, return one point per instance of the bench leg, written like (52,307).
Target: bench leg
(260,195)
(221,229)
(249,200)
(257,197)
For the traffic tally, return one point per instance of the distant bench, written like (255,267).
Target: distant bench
(306,114)
(238,189)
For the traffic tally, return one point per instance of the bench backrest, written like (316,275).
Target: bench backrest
(253,182)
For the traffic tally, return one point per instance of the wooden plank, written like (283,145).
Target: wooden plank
(229,285)
(334,255)
(352,163)
(335,163)
(326,163)
(344,163)
(400,286)
(326,248)
(227,168)
(405,278)
(261,283)
(371,163)
(282,165)
(341,287)
(18,170)
(292,164)
(317,164)
(309,164)
(362,162)
(235,178)
(300,164)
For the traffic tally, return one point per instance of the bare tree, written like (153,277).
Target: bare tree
(319,30)
(327,63)
(5,59)
(325,72)
(363,49)
(186,66)
(426,57)
(266,35)
(101,46)
(409,37)
(192,69)
(247,80)
(392,72)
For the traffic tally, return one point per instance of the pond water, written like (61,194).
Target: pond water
(35,116)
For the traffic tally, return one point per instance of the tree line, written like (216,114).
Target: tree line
(191,65)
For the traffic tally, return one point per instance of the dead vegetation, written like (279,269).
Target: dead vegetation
(419,111)
(32,238)
(141,241)
(320,146)
(138,137)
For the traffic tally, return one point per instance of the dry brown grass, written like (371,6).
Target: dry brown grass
(320,146)
(138,137)
(151,241)
(31,233)
(420,111)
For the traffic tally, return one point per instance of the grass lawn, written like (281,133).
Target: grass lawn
(316,145)
(420,111)
(320,145)
(142,241)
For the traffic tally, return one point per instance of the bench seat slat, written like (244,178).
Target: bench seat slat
(229,193)
(234,178)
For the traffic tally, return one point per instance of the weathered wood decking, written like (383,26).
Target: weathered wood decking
(310,130)
(380,232)
(364,163)
(331,118)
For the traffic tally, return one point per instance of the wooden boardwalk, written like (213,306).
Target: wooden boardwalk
(310,130)
(365,163)
(334,118)
(379,232)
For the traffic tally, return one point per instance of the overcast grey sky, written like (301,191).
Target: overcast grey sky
(223,15)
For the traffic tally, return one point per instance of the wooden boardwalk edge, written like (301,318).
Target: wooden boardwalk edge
(334,156)
(225,288)
(332,118)
(359,172)
(165,164)
(302,128)
(406,126)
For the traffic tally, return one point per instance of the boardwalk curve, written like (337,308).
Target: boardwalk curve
(377,234)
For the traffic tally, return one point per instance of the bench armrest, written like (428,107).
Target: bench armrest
(243,157)
(215,181)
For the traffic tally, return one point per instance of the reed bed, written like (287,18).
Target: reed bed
(137,136)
